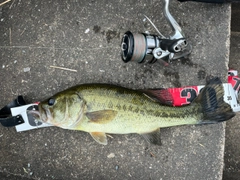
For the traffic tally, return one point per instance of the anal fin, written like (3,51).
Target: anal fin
(153,137)
(100,137)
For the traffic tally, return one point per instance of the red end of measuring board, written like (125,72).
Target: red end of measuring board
(185,95)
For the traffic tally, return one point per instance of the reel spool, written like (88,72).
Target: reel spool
(138,47)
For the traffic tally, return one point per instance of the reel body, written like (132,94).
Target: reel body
(149,48)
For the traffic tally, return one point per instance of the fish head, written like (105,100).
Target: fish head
(64,109)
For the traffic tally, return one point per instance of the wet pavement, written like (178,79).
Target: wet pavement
(85,36)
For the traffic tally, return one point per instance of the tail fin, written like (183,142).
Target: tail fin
(214,108)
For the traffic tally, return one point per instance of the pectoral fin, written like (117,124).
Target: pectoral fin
(153,137)
(103,116)
(100,137)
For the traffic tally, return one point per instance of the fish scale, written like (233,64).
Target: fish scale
(144,111)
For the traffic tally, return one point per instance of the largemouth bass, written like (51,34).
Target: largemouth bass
(101,108)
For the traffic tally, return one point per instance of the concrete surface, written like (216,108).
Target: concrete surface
(235,23)
(86,35)
(232,145)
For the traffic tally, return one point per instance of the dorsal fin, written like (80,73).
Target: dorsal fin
(162,96)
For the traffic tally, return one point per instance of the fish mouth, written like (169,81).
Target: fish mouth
(42,114)
(35,114)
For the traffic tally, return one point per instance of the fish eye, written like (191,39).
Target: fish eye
(51,101)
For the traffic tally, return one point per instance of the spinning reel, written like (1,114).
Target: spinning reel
(149,48)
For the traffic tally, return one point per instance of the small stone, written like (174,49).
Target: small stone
(111,155)
(87,30)
(27,69)
(117,167)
